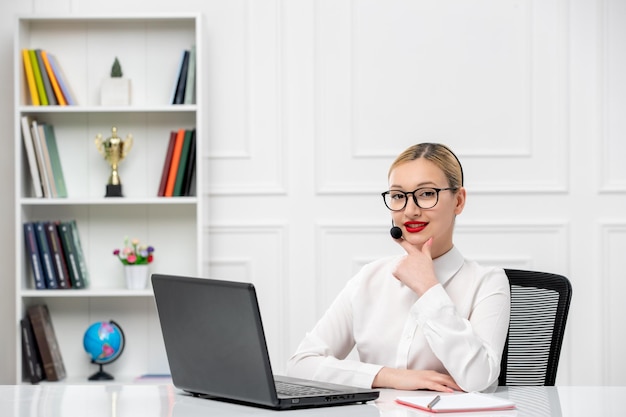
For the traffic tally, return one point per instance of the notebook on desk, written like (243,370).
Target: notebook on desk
(215,346)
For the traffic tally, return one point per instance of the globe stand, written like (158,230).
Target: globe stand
(100,375)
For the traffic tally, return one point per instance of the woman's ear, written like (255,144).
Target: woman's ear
(460,201)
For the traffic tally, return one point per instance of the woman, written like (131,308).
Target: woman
(429,319)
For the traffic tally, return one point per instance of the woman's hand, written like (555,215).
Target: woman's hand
(410,380)
(415,269)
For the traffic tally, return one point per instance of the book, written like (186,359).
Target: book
(178,75)
(31,357)
(179,97)
(191,166)
(39,133)
(58,257)
(182,165)
(52,101)
(34,258)
(457,402)
(30,78)
(55,160)
(178,147)
(166,164)
(41,91)
(53,80)
(71,255)
(47,262)
(31,156)
(64,85)
(47,343)
(190,86)
(41,159)
(82,264)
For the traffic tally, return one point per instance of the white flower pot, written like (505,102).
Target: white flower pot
(136,276)
(115,92)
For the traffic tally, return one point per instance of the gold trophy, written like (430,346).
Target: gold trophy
(114,150)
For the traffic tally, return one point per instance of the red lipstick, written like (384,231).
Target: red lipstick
(415,227)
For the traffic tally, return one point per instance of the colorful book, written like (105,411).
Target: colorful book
(182,165)
(31,156)
(30,78)
(41,91)
(191,166)
(58,257)
(55,161)
(52,101)
(166,164)
(71,255)
(190,87)
(47,262)
(64,85)
(82,263)
(53,80)
(40,135)
(178,147)
(34,258)
(179,98)
(47,343)
(32,365)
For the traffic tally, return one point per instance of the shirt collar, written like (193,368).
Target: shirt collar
(448,264)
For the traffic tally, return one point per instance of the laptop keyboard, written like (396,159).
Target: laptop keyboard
(297,390)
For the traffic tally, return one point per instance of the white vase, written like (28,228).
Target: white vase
(136,276)
(115,92)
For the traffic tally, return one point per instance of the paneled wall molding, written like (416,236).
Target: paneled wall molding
(255,253)
(363,118)
(612,280)
(612,69)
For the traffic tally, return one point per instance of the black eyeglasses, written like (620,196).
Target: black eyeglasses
(424,198)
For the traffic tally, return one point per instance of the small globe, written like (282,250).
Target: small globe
(104,342)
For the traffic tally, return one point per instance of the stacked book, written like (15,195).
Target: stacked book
(43,158)
(179,167)
(40,349)
(184,91)
(46,81)
(55,255)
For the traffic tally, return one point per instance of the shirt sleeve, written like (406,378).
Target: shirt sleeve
(470,349)
(322,355)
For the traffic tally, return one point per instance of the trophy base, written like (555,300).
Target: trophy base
(114,190)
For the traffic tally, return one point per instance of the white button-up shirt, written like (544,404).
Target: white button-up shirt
(457,327)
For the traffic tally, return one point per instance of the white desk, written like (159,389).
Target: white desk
(139,400)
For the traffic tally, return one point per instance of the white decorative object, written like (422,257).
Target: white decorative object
(115,92)
(136,276)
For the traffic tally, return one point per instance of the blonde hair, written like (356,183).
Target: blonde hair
(437,153)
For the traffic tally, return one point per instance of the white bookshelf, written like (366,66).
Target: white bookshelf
(149,49)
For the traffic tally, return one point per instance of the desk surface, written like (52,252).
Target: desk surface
(56,400)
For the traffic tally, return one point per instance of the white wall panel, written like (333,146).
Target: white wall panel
(490,81)
(613,283)
(613,64)
(256,254)
(247,149)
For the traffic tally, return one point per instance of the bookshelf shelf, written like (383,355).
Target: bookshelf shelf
(88,293)
(180,108)
(149,201)
(149,48)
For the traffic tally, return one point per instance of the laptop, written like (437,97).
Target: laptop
(216,348)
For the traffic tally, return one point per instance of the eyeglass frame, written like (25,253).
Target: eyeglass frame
(412,193)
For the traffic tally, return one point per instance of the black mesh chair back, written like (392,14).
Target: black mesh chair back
(539,307)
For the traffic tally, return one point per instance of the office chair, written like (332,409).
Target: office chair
(539,307)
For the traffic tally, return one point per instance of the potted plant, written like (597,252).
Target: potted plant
(115,90)
(135,258)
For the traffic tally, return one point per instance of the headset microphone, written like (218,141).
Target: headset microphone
(395,231)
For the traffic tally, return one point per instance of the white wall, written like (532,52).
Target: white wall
(309,101)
